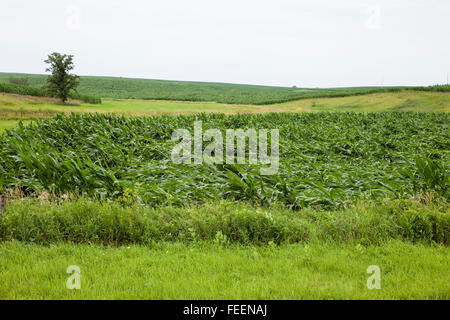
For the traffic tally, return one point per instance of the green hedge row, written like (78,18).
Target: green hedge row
(40,92)
(85,221)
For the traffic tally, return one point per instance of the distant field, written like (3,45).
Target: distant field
(128,88)
(416,101)
(15,107)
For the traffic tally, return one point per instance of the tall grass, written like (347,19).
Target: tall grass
(85,221)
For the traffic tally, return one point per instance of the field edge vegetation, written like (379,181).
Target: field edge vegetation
(423,220)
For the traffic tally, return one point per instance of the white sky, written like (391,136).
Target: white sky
(322,43)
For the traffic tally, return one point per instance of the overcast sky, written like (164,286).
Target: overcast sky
(321,43)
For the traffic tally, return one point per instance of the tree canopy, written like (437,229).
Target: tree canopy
(60,83)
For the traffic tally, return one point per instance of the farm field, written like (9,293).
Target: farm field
(128,88)
(225,154)
(326,159)
(16,107)
(363,180)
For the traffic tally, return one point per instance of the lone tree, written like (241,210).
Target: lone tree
(61,82)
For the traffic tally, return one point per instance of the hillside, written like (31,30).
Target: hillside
(129,88)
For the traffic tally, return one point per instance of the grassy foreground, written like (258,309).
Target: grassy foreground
(208,271)
(224,251)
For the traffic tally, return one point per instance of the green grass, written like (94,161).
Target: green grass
(394,101)
(208,271)
(128,88)
(223,251)
(9,124)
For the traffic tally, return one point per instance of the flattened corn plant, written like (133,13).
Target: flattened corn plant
(326,159)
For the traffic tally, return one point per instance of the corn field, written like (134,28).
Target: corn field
(326,159)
